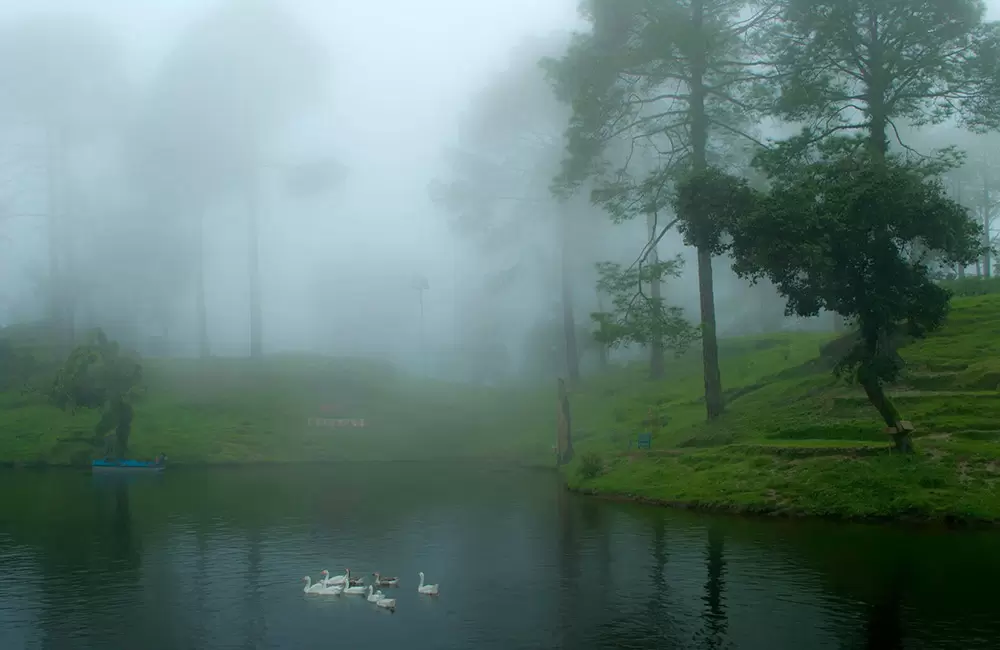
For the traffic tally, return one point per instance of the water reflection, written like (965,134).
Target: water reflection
(713,635)
(125,547)
(884,624)
(212,559)
(255,627)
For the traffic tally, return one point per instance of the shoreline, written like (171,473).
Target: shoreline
(761,510)
(473,461)
(948,521)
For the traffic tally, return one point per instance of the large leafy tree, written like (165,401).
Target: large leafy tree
(98,374)
(852,231)
(868,65)
(677,77)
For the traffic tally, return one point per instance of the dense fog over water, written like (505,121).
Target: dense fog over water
(158,134)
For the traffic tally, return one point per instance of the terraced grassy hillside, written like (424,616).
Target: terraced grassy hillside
(797,440)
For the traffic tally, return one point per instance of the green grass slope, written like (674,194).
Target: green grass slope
(237,411)
(796,440)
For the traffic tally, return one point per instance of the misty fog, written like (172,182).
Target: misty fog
(154,133)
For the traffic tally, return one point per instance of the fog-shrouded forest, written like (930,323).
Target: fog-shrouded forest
(467,190)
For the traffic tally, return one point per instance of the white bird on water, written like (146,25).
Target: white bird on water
(430,590)
(311,588)
(358,590)
(374,596)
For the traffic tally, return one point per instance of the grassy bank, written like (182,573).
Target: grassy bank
(795,440)
(240,411)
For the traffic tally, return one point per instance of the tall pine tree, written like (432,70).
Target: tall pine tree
(679,78)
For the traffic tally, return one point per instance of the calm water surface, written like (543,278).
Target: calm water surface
(213,559)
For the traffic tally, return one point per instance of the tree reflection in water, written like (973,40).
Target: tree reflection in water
(713,634)
(569,572)
(256,628)
(884,621)
(124,545)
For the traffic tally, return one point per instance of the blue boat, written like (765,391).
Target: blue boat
(104,464)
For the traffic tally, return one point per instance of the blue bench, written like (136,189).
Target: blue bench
(642,441)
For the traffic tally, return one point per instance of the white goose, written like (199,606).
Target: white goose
(355,590)
(334,590)
(430,590)
(340,580)
(388,603)
(376,596)
(311,588)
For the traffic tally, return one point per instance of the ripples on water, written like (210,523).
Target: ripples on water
(213,559)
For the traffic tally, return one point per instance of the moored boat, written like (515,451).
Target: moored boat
(120,464)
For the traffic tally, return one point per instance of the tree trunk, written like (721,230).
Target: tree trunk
(564,439)
(986,229)
(569,322)
(656,363)
(699,152)
(602,350)
(123,429)
(253,235)
(878,118)
(201,308)
(890,415)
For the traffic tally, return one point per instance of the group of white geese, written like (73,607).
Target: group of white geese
(355,586)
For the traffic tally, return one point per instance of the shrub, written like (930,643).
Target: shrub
(591,465)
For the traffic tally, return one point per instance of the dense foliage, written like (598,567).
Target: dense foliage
(852,233)
(99,375)
(660,90)
(640,317)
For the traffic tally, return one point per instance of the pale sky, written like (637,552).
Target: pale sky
(402,73)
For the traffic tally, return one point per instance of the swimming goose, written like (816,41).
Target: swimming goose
(374,596)
(385,582)
(430,590)
(356,590)
(311,588)
(339,580)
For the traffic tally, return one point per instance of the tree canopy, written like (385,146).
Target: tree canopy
(855,233)
(660,90)
(869,64)
(99,375)
(639,316)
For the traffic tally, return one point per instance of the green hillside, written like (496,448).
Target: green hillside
(238,410)
(796,440)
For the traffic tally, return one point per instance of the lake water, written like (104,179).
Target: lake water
(197,559)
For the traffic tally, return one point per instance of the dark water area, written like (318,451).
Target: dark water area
(214,559)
